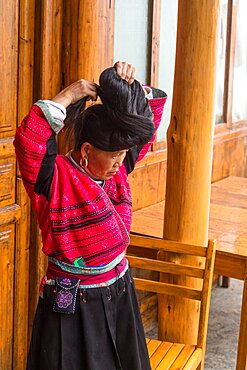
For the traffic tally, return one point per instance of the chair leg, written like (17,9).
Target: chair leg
(218,281)
(225,282)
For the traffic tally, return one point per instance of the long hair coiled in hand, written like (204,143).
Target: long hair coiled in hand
(122,121)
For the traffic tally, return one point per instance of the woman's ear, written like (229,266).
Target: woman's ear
(85,149)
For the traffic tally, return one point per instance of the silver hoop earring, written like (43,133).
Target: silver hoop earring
(85,164)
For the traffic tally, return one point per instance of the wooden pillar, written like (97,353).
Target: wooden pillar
(87,39)
(95,37)
(87,43)
(48,49)
(242,340)
(190,144)
(25,99)
(47,83)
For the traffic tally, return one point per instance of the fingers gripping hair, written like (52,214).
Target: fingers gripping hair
(122,121)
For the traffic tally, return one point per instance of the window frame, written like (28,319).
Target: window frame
(229,62)
(226,124)
(154,65)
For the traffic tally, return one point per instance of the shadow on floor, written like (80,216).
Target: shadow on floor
(223,328)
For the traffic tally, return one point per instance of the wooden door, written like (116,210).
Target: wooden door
(10,211)
(16,65)
(31,61)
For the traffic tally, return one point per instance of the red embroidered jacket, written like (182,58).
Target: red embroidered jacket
(77,217)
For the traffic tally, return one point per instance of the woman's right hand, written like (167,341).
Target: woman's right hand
(126,71)
(75,92)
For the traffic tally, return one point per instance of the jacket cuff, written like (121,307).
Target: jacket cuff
(56,123)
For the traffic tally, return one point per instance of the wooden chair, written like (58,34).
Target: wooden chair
(165,355)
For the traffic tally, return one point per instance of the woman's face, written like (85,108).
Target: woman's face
(102,165)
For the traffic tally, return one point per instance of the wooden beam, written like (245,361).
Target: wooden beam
(162,266)
(155,54)
(24,101)
(95,37)
(105,45)
(190,143)
(155,44)
(47,83)
(70,42)
(21,298)
(48,44)
(26,57)
(168,246)
(242,350)
(87,44)
(88,40)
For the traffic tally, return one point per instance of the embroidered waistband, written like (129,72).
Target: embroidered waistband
(90,270)
(98,285)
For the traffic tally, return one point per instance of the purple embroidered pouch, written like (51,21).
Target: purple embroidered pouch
(65,296)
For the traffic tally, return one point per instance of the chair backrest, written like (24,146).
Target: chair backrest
(149,245)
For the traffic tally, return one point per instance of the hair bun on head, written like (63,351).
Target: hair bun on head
(123,120)
(114,91)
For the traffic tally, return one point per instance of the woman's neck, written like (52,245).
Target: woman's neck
(76,155)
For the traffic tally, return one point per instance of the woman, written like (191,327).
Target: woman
(87,316)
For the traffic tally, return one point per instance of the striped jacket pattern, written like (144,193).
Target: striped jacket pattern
(77,217)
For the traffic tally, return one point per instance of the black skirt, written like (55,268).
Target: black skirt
(104,333)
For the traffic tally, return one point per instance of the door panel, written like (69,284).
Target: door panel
(7,237)
(21,284)
(8,70)
(32,58)
(10,212)
(7,178)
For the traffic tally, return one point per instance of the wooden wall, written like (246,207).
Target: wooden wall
(45,45)
(14,211)
(148,181)
(230,151)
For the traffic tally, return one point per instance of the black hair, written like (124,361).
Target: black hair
(122,121)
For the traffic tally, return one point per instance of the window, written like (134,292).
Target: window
(239,99)
(221,58)
(168,36)
(231,85)
(145,35)
(132,36)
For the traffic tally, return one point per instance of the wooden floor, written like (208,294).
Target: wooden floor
(228,225)
(227,221)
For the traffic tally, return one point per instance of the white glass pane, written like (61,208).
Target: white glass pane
(239,103)
(168,35)
(132,35)
(221,56)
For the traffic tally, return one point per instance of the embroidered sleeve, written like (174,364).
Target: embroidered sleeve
(157,106)
(55,113)
(36,148)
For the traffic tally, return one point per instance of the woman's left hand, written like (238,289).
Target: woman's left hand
(126,71)
(76,91)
